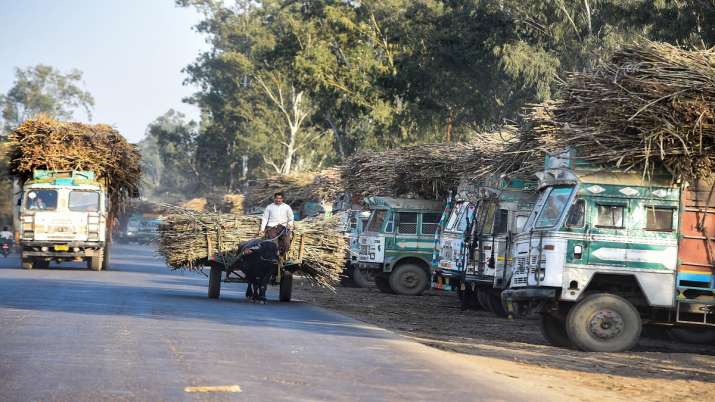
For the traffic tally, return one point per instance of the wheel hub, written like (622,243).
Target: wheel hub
(606,324)
(409,280)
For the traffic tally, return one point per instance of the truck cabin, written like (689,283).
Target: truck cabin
(400,235)
(473,244)
(63,206)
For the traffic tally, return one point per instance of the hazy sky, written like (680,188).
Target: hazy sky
(131,53)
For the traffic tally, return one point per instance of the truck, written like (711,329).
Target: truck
(396,246)
(474,248)
(355,222)
(605,251)
(62,216)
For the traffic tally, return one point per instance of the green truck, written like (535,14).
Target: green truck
(397,244)
(606,251)
(474,248)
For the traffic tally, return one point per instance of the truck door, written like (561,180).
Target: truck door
(406,237)
(607,233)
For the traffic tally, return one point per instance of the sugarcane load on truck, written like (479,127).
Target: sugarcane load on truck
(623,230)
(70,179)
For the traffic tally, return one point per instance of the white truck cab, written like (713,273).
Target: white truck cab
(62,216)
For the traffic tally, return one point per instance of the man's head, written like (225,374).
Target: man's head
(278,198)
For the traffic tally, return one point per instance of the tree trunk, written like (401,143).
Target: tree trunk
(338,138)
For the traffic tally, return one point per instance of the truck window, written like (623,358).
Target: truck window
(376,220)
(390,223)
(84,201)
(430,222)
(41,200)
(659,219)
(576,214)
(554,207)
(520,223)
(501,221)
(610,216)
(455,215)
(407,222)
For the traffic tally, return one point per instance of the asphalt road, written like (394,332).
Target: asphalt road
(142,332)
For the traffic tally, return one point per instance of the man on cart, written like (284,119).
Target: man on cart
(277,223)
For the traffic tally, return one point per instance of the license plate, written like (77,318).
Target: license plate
(62,247)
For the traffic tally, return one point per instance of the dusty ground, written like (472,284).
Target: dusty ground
(658,369)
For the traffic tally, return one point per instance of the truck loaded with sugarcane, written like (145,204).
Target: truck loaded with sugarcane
(70,180)
(622,234)
(473,251)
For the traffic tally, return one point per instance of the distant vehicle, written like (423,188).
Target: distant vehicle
(605,251)
(62,216)
(131,232)
(397,244)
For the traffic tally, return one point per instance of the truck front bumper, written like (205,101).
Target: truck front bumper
(529,294)
(370,265)
(75,249)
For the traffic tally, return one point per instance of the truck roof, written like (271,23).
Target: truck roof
(404,203)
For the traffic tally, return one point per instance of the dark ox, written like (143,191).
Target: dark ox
(258,262)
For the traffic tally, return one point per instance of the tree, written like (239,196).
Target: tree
(44,89)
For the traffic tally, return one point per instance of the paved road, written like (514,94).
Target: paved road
(141,332)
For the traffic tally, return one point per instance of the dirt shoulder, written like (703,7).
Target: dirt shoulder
(657,369)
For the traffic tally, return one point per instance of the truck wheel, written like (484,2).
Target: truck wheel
(495,305)
(95,263)
(698,336)
(215,281)
(27,263)
(107,255)
(360,277)
(604,322)
(383,284)
(409,280)
(483,299)
(554,331)
(286,287)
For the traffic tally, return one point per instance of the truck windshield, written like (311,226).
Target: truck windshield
(376,220)
(42,200)
(554,207)
(458,218)
(84,201)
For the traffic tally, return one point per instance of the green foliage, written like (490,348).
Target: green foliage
(336,76)
(44,89)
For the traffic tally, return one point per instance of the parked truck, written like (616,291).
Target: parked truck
(605,251)
(396,246)
(474,248)
(62,216)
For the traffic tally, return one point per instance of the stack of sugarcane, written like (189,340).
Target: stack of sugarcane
(650,105)
(45,143)
(297,188)
(428,170)
(188,238)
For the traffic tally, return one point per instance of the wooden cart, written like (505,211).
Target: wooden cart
(282,276)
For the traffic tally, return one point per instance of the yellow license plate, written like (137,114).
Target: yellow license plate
(62,247)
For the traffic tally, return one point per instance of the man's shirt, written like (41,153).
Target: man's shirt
(277,215)
(5,235)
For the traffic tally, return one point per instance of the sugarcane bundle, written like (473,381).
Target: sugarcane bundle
(45,143)
(650,104)
(322,249)
(428,170)
(297,188)
(188,238)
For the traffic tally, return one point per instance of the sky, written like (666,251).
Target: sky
(130,51)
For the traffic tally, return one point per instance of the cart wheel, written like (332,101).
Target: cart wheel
(215,281)
(286,287)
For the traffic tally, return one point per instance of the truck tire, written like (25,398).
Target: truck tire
(409,280)
(383,284)
(554,331)
(360,278)
(286,287)
(95,262)
(106,257)
(215,281)
(698,336)
(483,299)
(27,263)
(604,322)
(495,305)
